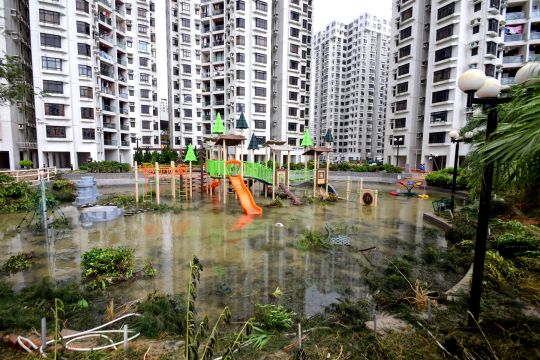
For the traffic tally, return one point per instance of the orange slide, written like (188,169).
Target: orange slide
(246,199)
(213,185)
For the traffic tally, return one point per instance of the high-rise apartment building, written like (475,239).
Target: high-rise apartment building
(350,86)
(433,42)
(17,121)
(521,37)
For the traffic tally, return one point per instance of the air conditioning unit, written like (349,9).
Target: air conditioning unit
(424,63)
(14,12)
(475,21)
(474,44)
(98,110)
(20,104)
(20,126)
(426,26)
(473,66)
(423,82)
(425,45)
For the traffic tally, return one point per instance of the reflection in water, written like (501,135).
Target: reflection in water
(250,255)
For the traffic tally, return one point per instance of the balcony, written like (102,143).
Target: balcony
(106,90)
(124,127)
(219,43)
(109,125)
(515,15)
(205,75)
(122,62)
(218,27)
(534,57)
(123,95)
(122,78)
(508,81)
(109,108)
(124,111)
(121,44)
(219,102)
(125,143)
(534,35)
(105,19)
(106,37)
(106,2)
(219,88)
(515,59)
(120,11)
(107,73)
(105,56)
(513,37)
(110,142)
(217,12)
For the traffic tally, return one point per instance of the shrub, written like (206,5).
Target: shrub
(106,166)
(16,263)
(312,240)
(26,164)
(443,179)
(103,267)
(15,196)
(274,317)
(497,270)
(161,314)
(516,239)
(63,190)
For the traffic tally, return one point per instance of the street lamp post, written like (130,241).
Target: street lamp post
(487,89)
(454,137)
(398,141)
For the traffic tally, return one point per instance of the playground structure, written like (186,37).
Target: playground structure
(409,186)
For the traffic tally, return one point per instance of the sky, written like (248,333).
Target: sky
(326,11)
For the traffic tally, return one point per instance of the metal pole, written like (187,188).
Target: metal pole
(348,187)
(224,187)
(43,333)
(173,179)
(126,337)
(136,184)
(454,176)
(397,155)
(274,175)
(190,182)
(314,173)
(43,204)
(157,182)
(482,227)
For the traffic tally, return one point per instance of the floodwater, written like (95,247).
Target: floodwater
(245,258)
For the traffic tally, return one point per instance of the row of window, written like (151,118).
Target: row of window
(57,87)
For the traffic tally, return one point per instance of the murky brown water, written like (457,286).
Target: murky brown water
(248,256)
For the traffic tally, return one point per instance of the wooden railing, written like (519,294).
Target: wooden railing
(32,176)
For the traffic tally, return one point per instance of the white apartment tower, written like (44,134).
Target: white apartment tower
(17,121)
(521,37)
(350,84)
(433,42)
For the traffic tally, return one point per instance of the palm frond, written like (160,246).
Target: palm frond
(211,343)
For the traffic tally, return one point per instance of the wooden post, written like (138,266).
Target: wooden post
(273,175)
(157,182)
(173,179)
(288,167)
(224,187)
(190,182)
(242,155)
(136,184)
(48,175)
(348,187)
(314,173)
(361,183)
(327,171)
(376,197)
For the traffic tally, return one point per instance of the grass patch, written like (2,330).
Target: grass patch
(17,263)
(312,240)
(103,267)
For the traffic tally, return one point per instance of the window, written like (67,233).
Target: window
(85,70)
(491,48)
(143,61)
(82,5)
(58,132)
(405,51)
(260,40)
(476,29)
(293,80)
(141,12)
(293,65)
(49,17)
(240,74)
(399,123)
(87,113)
(474,51)
(291,141)
(444,32)
(402,87)
(403,69)
(260,91)
(294,32)
(261,23)
(260,75)
(478,6)
(144,78)
(443,54)
(401,105)
(260,108)
(294,48)
(437,137)
(143,29)
(405,33)
(184,6)
(88,134)
(293,95)
(445,11)
(83,28)
(493,25)
(145,94)
(292,111)
(440,96)
(86,92)
(260,140)
(439,117)
(240,91)
(240,57)
(53,87)
(406,14)
(186,54)
(292,126)
(240,5)
(51,40)
(145,109)
(54,109)
(84,49)
(260,58)
(185,22)
(260,124)
(261,5)
(188,113)
(295,16)
(240,107)
(240,40)
(441,75)
(490,70)
(240,23)
(50,63)
(186,83)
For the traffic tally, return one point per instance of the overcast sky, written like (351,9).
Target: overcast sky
(326,11)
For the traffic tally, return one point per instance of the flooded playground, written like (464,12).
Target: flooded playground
(245,258)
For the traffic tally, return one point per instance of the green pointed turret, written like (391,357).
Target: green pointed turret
(241,123)
(328,138)
(306,140)
(253,143)
(218,127)
(190,154)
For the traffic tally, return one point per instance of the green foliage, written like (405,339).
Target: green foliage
(26,164)
(16,263)
(167,155)
(13,86)
(63,190)
(355,167)
(148,268)
(118,200)
(161,315)
(516,239)
(15,196)
(106,166)
(103,267)
(497,270)
(275,203)
(354,313)
(443,179)
(312,240)
(274,317)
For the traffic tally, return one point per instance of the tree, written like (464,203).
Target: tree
(13,86)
